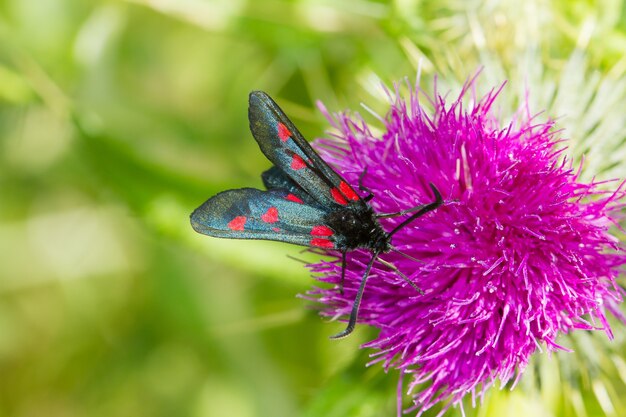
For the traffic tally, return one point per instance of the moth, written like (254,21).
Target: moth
(306,202)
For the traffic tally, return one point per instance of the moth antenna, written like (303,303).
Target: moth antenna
(357,302)
(412,209)
(406,255)
(425,209)
(401,275)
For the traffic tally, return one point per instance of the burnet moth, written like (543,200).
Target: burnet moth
(307,202)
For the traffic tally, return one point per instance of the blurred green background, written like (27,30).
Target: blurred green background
(118,118)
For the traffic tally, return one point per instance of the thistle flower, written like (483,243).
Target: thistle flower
(520,254)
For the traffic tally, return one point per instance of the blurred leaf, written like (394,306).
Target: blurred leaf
(118,118)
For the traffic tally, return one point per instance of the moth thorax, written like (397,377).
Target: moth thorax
(358,229)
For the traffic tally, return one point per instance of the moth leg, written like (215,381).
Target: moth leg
(297,259)
(363,188)
(343,271)
(406,255)
(400,213)
(401,275)
(357,302)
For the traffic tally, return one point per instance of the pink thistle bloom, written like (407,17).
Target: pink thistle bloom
(519,254)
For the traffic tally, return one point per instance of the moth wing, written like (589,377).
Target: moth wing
(274,178)
(249,213)
(284,145)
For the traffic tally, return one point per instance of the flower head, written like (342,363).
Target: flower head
(519,254)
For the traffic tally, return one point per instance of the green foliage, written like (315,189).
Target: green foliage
(118,118)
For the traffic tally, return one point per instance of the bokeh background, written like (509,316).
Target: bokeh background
(118,118)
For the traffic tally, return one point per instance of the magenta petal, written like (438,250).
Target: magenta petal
(520,253)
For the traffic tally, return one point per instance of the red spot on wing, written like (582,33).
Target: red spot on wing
(237,223)
(348,191)
(271,215)
(294,198)
(297,162)
(322,243)
(321,230)
(338,197)
(283,132)
(276,229)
